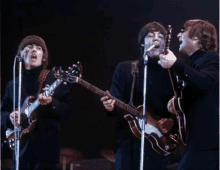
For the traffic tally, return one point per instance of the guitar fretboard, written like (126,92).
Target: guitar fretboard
(36,103)
(102,93)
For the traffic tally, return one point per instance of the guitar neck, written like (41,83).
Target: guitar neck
(102,93)
(36,103)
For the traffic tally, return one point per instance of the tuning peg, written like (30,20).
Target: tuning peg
(79,66)
(60,69)
(57,73)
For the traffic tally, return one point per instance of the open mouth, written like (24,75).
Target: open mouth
(33,57)
(155,51)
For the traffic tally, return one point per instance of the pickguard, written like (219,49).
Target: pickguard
(149,129)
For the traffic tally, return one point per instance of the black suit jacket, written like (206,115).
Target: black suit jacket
(201,99)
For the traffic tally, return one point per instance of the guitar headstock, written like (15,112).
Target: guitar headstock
(168,39)
(69,75)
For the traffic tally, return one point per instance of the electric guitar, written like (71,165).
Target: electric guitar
(178,86)
(27,110)
(164,144)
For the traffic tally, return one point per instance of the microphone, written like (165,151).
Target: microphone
(23,52)
(155,45)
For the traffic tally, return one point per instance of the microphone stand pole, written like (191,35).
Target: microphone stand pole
(14,101)
(17,128)
(144,116)
(143,119)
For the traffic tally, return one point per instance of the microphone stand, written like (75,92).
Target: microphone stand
(144,116)
(143,119)
(17,128)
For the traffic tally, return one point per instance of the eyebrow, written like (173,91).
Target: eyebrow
(34,44)
(184,28)
(155,31)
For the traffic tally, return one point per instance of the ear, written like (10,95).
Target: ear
(195,38)
(196,42)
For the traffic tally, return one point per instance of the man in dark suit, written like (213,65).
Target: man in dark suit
(198,40)
(41,149)
(159,92)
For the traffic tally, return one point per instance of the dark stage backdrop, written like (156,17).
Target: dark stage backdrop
(99,34)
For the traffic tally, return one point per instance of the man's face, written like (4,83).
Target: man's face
(33,57)
(150,39)
(187,45)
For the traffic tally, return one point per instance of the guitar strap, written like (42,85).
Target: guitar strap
(41,79)
(134,72)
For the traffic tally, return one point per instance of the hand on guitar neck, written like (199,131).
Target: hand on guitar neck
(108,103)
(44,99)
(167,60)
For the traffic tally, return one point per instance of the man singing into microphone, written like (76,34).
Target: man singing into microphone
(41,149)
(198,40)
(158,93)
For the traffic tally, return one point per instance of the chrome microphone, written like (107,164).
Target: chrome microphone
(23,52)
(155,45)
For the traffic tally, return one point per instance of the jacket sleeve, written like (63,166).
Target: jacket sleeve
(204,79)
(117,89)
(61,102)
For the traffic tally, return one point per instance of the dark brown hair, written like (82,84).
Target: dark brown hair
(205,32)
(150,27)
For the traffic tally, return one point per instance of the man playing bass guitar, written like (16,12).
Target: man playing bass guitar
(158,93)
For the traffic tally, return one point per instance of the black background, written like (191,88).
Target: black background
(99,34)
